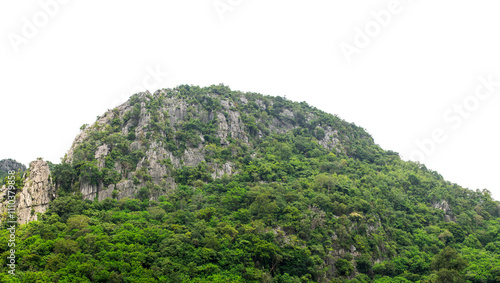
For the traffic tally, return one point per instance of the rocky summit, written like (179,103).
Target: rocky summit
(141,142)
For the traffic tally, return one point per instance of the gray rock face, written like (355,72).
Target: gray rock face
(219,171)
(445,207)
(90,191)
(154,155)
(36,194)
(11,165)
(101,121)
(330,140)
(236,128)
(172,113)
(231,126)
(101,152)
(79,139)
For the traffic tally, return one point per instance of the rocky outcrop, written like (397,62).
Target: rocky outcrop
(330,140)
(78,140)
(231,127)
(152,123)
(11,165)
(221,170)
(445,207)
(101,152)
(90,191)
(34,197)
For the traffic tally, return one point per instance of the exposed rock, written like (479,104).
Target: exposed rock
(231,126)
(223,127)
(101,152)
(280,126)
(158,122)
(193,157)
(106,193)
(260,103)
(36,194)
(219,171)
(445,206)
(154,155)
(288,113)
(90,191)
(236,128)
(11,165)
(331,140)
(126,189)
(226,104)
(68,158)
(177,111)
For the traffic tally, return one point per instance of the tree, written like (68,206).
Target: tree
(77,222)
(344,267)
(449,276)
(364,263)
(448,258)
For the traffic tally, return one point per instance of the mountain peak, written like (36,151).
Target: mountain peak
(150,136)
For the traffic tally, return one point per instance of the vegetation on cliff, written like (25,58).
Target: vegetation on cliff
(252,188)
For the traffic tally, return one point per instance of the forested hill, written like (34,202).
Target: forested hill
(212,185)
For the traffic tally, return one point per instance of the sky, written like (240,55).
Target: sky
(422,77)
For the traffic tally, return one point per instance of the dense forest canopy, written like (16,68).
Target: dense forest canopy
(309,198)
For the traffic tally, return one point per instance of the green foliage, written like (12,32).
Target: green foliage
(448,258)
(344,267)
(64,176)
(300,205)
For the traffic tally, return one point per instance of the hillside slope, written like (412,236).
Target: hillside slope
(212,185)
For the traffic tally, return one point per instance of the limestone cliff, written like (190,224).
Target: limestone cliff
(34,197)
(141,143)
(152,143)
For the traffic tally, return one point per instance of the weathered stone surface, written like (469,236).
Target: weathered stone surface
(154,130)
(236,127)
(101,152)
(36,194)
(68,158)
(445,206)
(223,127)
(11,165)
(193,156)
(126,189)
(219,171)
(330,140)
(261,104)
(231,126)
(90,191)
(288,114)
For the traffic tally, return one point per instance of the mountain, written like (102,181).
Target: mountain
(7,165)
(209,184)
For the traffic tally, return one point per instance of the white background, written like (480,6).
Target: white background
(84,57)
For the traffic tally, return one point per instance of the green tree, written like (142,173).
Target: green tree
(344,267)
(448,258)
